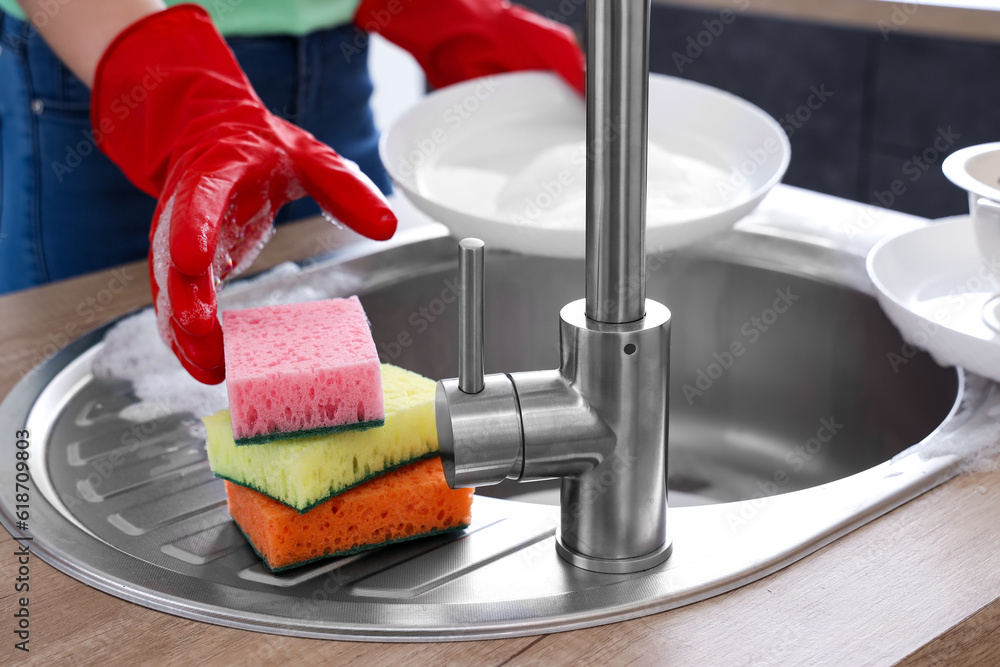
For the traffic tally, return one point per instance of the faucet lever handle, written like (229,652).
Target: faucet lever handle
(471,280)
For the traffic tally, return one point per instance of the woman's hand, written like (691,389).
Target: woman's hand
(455,40)
(172,108)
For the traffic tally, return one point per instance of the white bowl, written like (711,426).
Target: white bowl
(453,154)
(976,170)
(933,286)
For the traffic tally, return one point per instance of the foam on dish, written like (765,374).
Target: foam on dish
(550,191)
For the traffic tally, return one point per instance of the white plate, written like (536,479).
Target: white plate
(933,284)
(454,154)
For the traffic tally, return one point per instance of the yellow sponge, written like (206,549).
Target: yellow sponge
(304,472)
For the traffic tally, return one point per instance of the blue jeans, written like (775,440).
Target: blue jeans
(65,209)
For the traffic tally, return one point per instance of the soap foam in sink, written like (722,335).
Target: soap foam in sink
(978,451)
(978,446)
(133,351)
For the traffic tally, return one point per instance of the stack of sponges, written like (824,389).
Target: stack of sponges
(346,449)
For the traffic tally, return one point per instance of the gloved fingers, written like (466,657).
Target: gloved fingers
(249,222)
(222,211)
(555,44)
(201,356)
(219,213)
(469,56)
(211,194)
(201,202)
(343,190)
(193,301)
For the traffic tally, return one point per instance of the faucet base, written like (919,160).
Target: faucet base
(614,517)
(614,565)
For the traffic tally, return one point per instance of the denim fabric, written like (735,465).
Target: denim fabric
(65,209)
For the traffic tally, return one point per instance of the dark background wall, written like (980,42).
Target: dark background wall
(892,106)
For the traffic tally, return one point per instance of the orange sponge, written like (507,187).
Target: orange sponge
(413,501)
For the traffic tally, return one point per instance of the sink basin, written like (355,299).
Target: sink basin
(789,428)
(755,392)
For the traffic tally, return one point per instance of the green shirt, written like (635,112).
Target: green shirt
(260,17)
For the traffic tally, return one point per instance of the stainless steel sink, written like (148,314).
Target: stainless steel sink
(788,429)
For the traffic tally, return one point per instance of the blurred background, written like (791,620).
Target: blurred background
(874,95)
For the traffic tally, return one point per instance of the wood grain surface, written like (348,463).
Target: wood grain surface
(880,16)
(920,586)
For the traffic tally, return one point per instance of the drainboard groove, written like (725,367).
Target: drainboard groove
(130,479)
(357,566)
(105,408)
(128,447)
(206,545)
(167,486)
(427,572)
(259,573)
(139,519)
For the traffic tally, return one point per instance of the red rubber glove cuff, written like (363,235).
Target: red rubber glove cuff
(172,108)
(455,40)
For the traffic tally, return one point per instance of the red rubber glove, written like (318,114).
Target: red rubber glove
(455,40)
(172,108)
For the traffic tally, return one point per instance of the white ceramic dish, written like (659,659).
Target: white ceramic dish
(933,283)
(489,130)
(976,170)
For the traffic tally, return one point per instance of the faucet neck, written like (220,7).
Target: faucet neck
(617,98)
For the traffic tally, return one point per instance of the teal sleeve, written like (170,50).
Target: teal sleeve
(257,17)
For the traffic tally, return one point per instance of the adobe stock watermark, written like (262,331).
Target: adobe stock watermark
(752,330)
(913,169)
(796,459)
(103,465)
(420,321)
(956,300)
(696,44)
(917,166)
(122,107)
(534,206)
(902,12)
(803,113)
(47,10)
(613,469)
(453,118)
(87,311)
(221,8)
(756,158)
(377,21)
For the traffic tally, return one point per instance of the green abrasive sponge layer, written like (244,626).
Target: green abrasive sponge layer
(304,472)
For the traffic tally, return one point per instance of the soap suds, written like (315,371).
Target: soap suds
(134,352)
(977,446)
(550,191)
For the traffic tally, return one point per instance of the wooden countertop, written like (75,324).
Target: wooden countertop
(943,18)
(920,586)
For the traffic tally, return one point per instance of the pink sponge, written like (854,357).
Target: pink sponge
(301,369)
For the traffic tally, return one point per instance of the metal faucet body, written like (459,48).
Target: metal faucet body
(599,421)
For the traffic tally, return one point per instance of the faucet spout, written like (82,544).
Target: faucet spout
(617,99)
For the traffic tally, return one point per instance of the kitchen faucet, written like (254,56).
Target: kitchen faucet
(599,421)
